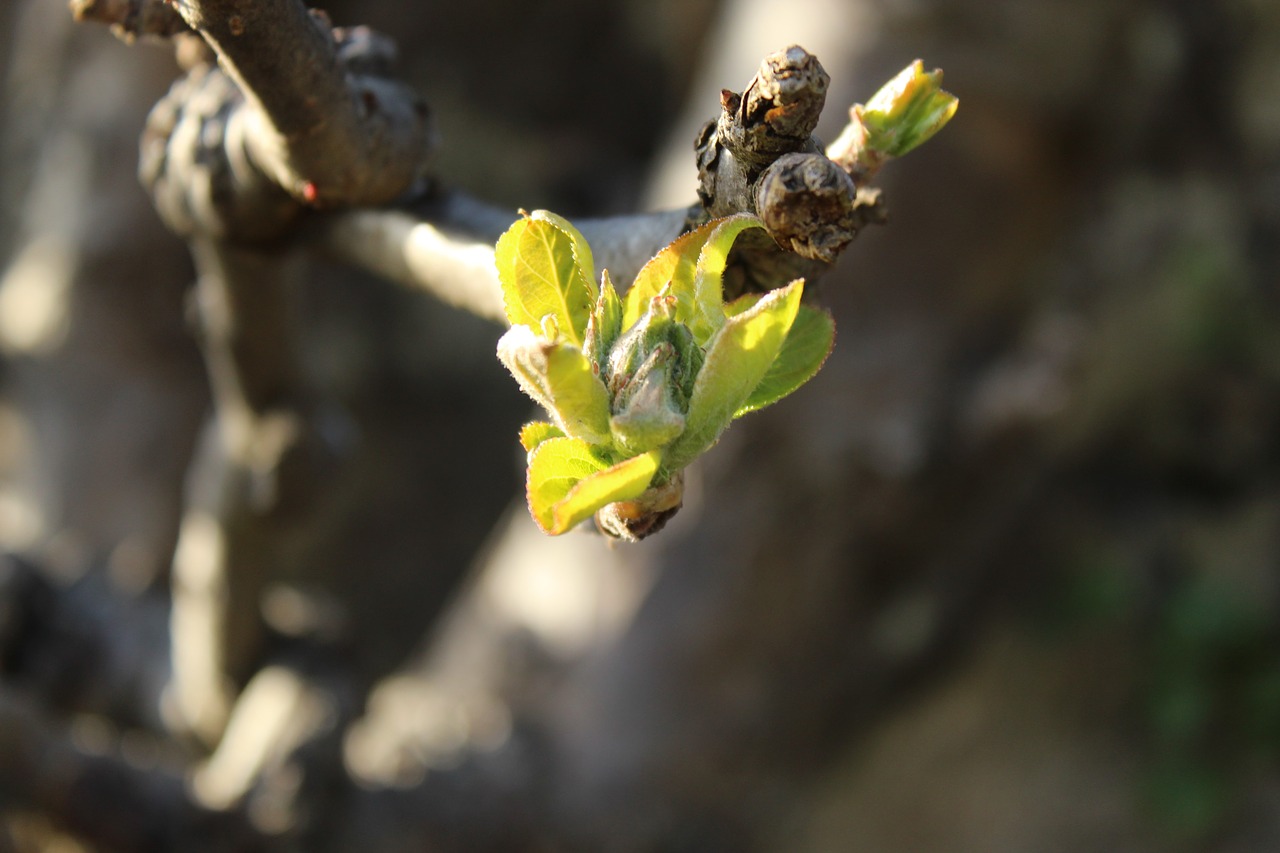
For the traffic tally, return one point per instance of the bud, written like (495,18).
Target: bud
(651,372)
(633,520)
(604,324)
(905,113)
(646,413)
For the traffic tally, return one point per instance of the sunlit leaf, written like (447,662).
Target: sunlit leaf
(694,267)
(606,322)
(806,347)
(708,282)
(538,265)
(675,264)
(907,111)
(738,358)
(581,249)
(560,378)
(568,482)
(535,432)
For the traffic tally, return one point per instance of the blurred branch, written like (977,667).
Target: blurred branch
(84,646)
(261,474)
(445,246)
(131,18)
(104,798)
(325,122)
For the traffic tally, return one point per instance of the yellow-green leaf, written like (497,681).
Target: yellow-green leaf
(541,267)
(675,264)
(535,432)
(907,111)
(568,482)
(581,248)
(708,281)
(606,321)
(807,345)
(560,378)
(694,267)
(738,358)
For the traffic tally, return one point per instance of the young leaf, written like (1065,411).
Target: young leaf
(708,282)
(675,264)
(697,289)
(555,467)
(567,482)
(647,415)
(538,265)
(606,322)
(558,377)
(738,358)
(581,249)
(907,111)
(807,345)
(535,432)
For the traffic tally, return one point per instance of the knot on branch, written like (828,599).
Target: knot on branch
(237,151)
(760,156)
(195,162)
(778,110)
(811,206)
(775,115)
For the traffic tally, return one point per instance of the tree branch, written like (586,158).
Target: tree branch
(129,19)
(326,124)
(445,246)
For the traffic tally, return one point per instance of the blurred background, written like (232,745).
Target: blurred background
(1004,577)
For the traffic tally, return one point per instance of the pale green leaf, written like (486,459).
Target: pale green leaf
(567,482)
(708,281)
(581,249)
(606,321)
(907,111)
(680,263)
(738,358)
(535,432)
(560,378)
(675,264)
(541,276)
(807,345)
(578,395)
(555,467)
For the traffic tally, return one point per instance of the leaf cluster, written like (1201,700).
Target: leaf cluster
(638,387)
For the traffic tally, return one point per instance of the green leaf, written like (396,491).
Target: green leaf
(560,378)
(535,432)
(708,282)
(695,282)
(738,358)
(568,482)
(907,111)
(581,249)
(807,345)
(606,322)
(675,264)
(546,271)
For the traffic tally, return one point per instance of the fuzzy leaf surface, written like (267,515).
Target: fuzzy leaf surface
(560,378)
(535,432)
(806,347)
(708,280)
(542,274)
(568,482)
(738,358)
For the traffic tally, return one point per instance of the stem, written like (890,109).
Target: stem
(446,246)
